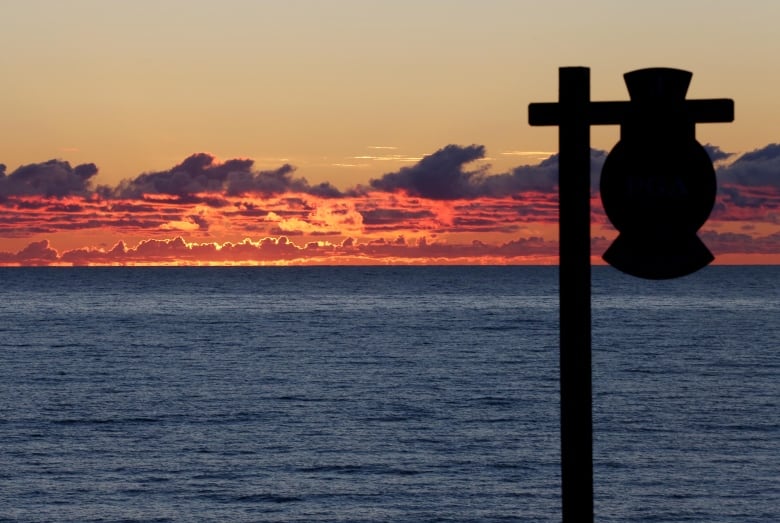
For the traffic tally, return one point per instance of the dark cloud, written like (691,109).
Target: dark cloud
(767,153)
(188,199)
(716,153)
(185,183)
(442,176)
(482,225)
(439,176)
(200,221)
(266,182)
(196,174)
(735,195)
(740,243)
(542,177)
(55,178)
(65,208)
(383,216)
(202,173)
(749,188)
(275,182)
(759,168)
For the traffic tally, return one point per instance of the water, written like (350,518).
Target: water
(380,394)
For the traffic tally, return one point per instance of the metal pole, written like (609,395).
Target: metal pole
(574,113)
(575,312)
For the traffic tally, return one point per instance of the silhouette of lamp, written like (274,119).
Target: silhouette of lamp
(658,184)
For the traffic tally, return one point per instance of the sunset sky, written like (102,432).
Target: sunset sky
(350,131)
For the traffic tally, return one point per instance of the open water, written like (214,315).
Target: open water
(380,394)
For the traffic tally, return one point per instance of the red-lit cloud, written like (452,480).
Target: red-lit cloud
(437,210)
(282,250)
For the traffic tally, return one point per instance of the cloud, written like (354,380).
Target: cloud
(443,176)
(202,173)
(439,176)
(281,250)
(275,182)
(36,253)
(55,178)
(760,167)
(716,154)
(741,243)
(749,187)
(391,249)
(442,197)
(384,216)
(541,177)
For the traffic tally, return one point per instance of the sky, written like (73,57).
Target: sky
(351,131)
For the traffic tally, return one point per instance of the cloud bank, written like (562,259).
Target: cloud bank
(282,250)
(442,175)
(446,206)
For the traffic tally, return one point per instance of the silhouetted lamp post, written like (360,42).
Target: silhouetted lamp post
(657,207)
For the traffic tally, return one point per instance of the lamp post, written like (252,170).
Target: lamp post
(573,114)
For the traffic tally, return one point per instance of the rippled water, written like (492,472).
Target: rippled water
(379,394)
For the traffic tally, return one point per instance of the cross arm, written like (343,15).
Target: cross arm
(611,113)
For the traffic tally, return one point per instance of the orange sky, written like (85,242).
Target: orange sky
(300,131)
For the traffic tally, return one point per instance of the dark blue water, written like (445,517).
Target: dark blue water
(380,394)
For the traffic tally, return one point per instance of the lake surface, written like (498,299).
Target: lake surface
(368,394)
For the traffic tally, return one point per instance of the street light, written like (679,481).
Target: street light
(657,212)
